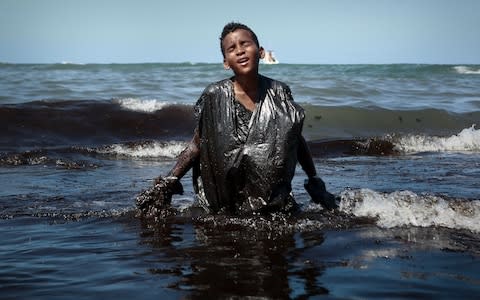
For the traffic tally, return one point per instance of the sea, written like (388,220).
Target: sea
(399,144)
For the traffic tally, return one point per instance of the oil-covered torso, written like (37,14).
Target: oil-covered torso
(247,161)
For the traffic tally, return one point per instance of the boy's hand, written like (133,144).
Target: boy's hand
(170,183)
(159,195)
(316,188)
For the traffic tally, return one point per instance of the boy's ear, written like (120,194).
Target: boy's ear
(261,53)
(225,65)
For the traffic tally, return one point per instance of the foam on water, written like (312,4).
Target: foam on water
(466,70)
(71,63)
(467,140)
(144,150)
(405,208)
(141,105)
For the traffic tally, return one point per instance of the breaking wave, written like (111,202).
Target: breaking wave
(141,105)
(406,208)
(359,206)
(62,157)
(468,140)
(466,70)
(90,122)
(144,149)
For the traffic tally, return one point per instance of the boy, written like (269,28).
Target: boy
(247,142)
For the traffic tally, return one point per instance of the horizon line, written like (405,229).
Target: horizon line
(219,63)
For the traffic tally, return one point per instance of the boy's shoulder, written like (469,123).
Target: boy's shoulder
(217,85)
(274,83)
(280,89)
(266,82)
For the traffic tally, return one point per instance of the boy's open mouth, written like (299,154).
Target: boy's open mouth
(243,61)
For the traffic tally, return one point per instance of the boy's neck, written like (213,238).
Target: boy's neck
(246,91)
(247,84)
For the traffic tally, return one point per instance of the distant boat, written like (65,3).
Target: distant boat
(270,58)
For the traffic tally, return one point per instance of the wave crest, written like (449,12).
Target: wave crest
(141,105)
(143,149)
(466,70)
(405,208)
(467,140)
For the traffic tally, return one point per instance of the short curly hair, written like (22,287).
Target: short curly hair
(231,27)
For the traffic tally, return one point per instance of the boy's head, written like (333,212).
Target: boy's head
(231,27)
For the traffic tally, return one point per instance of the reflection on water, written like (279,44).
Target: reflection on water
(214,258)
(221,257)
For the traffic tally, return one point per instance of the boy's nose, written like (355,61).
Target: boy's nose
(240,50)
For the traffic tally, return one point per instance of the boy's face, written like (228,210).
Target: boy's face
(241,53)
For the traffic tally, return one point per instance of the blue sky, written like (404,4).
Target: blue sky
(302,31)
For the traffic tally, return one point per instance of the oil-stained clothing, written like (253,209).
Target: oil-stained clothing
(247,159)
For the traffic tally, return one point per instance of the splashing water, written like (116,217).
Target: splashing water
(407,208)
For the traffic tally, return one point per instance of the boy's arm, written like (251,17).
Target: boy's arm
(153,200)
(186,159)
(305,158)
(314,184)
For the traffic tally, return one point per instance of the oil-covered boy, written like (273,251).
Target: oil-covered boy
(247,142)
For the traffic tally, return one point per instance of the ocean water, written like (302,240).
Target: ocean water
(399,144)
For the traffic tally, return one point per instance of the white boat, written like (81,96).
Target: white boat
(270,58)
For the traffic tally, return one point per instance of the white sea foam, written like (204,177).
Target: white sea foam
(467,140)
(145,150)
(407,208)
(466,70)
(71,63)
(142,105)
